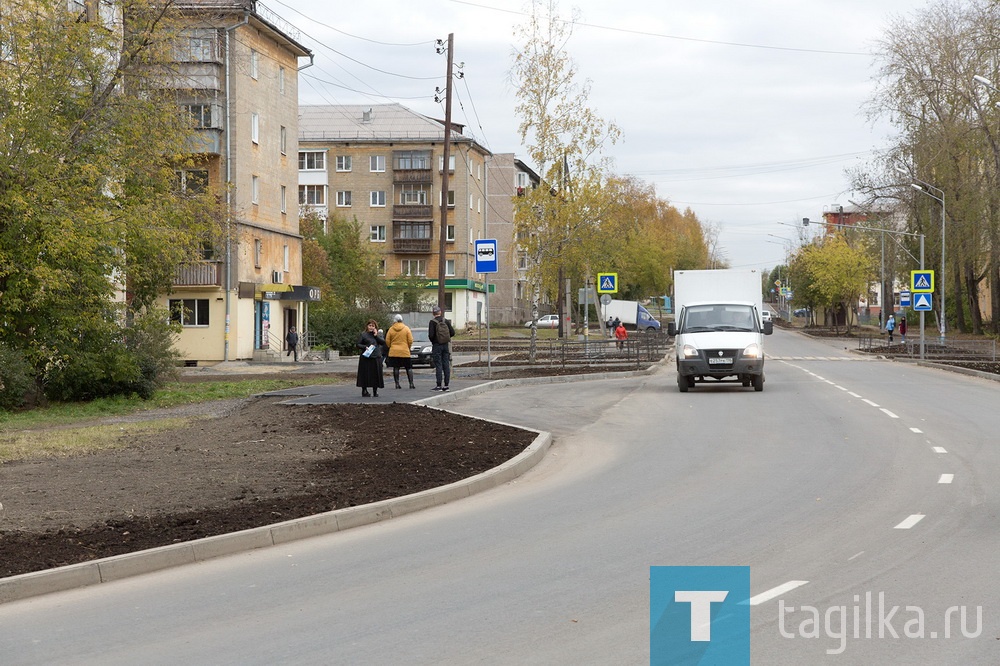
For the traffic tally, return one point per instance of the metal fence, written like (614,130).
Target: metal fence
(952,350)
(640,349)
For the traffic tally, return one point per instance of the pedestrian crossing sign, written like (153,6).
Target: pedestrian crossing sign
(922,302)
(921,281)
(607,283)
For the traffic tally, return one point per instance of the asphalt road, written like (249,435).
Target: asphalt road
(832,484)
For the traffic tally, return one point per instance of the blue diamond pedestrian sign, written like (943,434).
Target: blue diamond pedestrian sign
(607,283)
(486,255)
(921,281)
(922,302)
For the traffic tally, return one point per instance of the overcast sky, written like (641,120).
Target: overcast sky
(748,112)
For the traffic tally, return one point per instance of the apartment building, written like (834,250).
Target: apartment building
(237,77)
(509,177)
(382,165)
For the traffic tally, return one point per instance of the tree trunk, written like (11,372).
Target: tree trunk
(972,292)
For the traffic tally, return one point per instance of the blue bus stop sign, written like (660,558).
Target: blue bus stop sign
(486,255)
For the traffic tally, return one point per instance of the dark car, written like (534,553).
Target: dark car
(801,312)
(420,352)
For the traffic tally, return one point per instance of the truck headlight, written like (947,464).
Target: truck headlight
(689,351)
(753,351)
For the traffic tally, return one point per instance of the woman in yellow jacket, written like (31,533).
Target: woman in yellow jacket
(399,339)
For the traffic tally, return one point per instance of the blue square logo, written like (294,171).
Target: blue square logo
(699,615)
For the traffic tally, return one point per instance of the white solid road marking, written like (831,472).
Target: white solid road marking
(940,449)
(910,522)
(917,430)
(775,592)
(889,414)
(946,478)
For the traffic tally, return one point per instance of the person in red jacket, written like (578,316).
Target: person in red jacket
(621,335)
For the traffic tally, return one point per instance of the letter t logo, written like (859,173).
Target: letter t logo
(701,610)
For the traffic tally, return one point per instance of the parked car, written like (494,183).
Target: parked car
(765,315)
(420,352)
(546,321)
(801,312)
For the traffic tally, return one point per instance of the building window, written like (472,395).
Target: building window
(312,160)
(376,163)
(283,139)
(312,195)
(254,64)
(344,198)
(192,181)
(381,266)
(412,267)
(284,199)
(378,198)
(449,267)
(189,311)
(285,259)
(281,80)
(413,194)
(521,180)
(450,234)
(201,115)
(258,249)
(255,189)
(451,198)
(343,162)
(522,261)
(255,128)
(412,159)
(196,48)
(470,202)
(451,163)
(377,233)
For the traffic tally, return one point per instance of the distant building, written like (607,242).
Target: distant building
(509,177)
(382,165)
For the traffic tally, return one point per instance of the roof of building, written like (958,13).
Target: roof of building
(372,122)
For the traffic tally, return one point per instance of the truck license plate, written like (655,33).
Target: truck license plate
(719,361)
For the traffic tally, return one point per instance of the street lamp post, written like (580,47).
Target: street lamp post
(924,187)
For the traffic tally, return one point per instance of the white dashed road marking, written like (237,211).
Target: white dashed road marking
(910,522)
(776,592)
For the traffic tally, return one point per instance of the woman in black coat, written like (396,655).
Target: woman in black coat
(370,367)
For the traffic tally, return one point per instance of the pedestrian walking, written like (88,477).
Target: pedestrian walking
(370,360)
(399,338)
(292,342)
(440,331)
(890,326)
(902,328)
(621,335)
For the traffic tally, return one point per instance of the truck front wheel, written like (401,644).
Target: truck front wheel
(758,382)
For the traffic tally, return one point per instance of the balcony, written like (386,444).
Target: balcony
(412,176)
(411,245)
(199,274)
(412,212)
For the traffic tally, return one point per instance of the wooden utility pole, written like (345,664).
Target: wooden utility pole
(442,246)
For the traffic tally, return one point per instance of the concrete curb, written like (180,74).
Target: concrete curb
(133,564)
(118,567)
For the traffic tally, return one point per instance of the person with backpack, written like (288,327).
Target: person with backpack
(440,331)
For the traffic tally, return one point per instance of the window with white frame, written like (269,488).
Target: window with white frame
(471,202)
(412,194)
(283,140)
(255,189)
(522,261)
(281,80)
(381,266)
(412,159)
(449,267)
(254,64)
(343,163)
(377,233)
(192,181)
(312,195)
(378,198)
(312,160)
(450,233)
(344,198)
(284,199)
(376,163)
(201,115)
(258,250)
(451,163)
(286,259)
(411,267)
(255,128)
(451,198)
(189,311)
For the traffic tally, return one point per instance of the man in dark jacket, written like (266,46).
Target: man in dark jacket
(292,341)
(440,331)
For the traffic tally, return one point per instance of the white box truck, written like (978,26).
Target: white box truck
(632,314)
(718,331)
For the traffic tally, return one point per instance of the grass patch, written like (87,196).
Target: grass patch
(171,395)
(29,444)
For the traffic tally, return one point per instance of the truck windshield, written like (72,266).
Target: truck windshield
(701,318)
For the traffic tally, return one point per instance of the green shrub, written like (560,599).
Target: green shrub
(16,378)
(341,329)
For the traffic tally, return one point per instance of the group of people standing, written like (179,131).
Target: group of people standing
(891,327)
(393,349)
(617,330)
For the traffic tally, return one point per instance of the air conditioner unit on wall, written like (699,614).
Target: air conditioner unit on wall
(276,277)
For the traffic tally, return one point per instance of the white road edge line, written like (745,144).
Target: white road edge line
(775,592)
(889,414)
(946,478)
(910,522)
